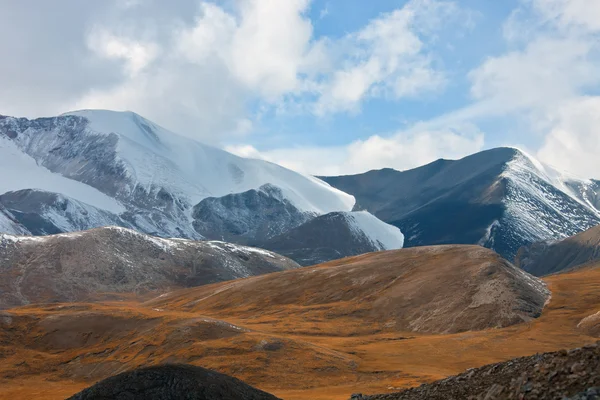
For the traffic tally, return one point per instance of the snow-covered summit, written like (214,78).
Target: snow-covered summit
(156,157)
(93,168)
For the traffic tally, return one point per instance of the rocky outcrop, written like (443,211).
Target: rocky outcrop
(251,217)
(172,382)
(569,375)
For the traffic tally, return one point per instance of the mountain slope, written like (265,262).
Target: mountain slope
(94,168)
(83,265)
(336,235)
(441,289)
(9,224)
(501,198)
(543,258)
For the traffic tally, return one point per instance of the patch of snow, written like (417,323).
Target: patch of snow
(383,236)
(564,181)
(215,244)
(25,173)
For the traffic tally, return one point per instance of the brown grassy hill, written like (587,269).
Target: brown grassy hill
(545,258)
(442,289)
(305,350)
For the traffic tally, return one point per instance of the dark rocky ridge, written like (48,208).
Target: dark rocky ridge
(170,382)
(569,375)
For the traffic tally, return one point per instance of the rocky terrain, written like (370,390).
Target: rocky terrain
(500,198)
(90,264)
(172,382)
(569,375)
(547,257)
(443,289)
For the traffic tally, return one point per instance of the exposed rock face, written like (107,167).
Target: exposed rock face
(82,265)
(500,198)
(45,213)
(543,258)
(252,217)
(570,375)
(172,382)
(443,289)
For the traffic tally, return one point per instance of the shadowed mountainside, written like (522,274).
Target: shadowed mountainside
(501,198)
(543,258)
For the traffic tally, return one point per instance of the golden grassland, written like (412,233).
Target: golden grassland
(53,351)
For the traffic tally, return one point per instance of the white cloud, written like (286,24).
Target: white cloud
(135,54)
(546,82)
(401,151)
(545,71)
(387,58)
(199,67)
(573,142)
(570,14)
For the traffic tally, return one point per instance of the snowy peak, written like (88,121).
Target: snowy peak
(523,167)
(502,198)
(155,158)
(93,168)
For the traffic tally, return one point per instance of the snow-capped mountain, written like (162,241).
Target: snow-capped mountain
(501,198)
(95,168)
(83,265)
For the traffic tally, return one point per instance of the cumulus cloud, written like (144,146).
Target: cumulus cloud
(197,66)
(402,150)
(387,58)
(547,80)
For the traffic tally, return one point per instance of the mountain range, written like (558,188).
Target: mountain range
(501,198)
(94,168)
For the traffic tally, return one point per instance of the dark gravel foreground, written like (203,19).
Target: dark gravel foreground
(172,382)
(564,375)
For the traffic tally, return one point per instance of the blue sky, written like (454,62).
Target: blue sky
(322,86)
